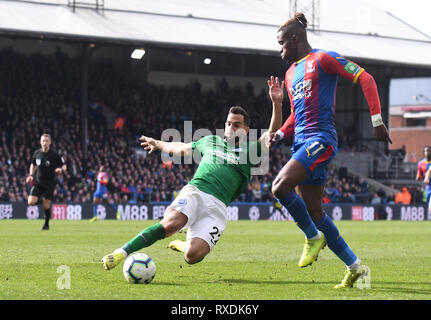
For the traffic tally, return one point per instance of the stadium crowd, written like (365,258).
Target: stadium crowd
(42,94)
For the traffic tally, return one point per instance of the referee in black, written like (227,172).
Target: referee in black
(45,165)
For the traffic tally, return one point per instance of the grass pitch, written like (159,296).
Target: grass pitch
(254,260)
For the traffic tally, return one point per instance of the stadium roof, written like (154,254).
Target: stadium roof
(356,29)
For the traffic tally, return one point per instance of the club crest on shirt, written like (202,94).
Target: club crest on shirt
(38,162)
(47,163)
(310,67)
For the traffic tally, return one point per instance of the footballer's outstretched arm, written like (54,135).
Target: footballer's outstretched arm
(276,94)
(175,148)
(331,65)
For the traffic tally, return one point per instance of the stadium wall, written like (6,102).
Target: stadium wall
(236,211)
(208,82)
(414,139)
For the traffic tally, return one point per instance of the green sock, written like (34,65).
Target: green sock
(145,238)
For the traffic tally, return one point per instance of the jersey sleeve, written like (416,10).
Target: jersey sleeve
(103,178)
(333,63)
(420,173)
(33,158)
(200,144)
(288,128)
(59,161)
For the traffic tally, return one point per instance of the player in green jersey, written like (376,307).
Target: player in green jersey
(223,173)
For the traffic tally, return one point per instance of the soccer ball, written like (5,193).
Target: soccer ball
(139,268)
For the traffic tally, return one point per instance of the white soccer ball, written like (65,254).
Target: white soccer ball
(139,268)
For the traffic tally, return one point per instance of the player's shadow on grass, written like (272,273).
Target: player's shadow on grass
(373,288)
(376,287)
(162,283)
(274,282)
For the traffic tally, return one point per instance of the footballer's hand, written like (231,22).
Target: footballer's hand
(426,180)
(275,90)
(381,133)
(58,171)
(29,179)
(274,138)
(149,144)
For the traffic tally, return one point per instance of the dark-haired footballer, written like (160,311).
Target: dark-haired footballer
(311,82)
(45,165)
(223,173)
(424,173)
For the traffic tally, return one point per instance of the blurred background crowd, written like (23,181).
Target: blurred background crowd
(42,94)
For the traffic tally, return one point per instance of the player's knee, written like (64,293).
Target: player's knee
(32,201)
(173,222)
(46,205)
(196,251)
(315,213)
(171,226)
(193,256)
(280,188)
(276,191)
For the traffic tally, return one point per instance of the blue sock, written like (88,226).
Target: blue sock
(335,241)
(95,210)
(299,213)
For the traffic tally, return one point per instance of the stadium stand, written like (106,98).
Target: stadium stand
(41,94)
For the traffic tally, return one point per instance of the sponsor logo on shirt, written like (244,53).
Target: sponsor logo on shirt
(223,156)
(301,89)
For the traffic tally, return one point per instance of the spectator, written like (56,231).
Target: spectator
(376,199)
(390,199)
(3,195)
(347,197)
(403,197)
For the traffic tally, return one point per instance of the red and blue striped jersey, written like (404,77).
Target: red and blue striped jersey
(311,84)
(423,167)
(102,179)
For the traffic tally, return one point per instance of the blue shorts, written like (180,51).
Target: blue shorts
(314,155)
(101,192)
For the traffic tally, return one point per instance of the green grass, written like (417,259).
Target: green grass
(254,260)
